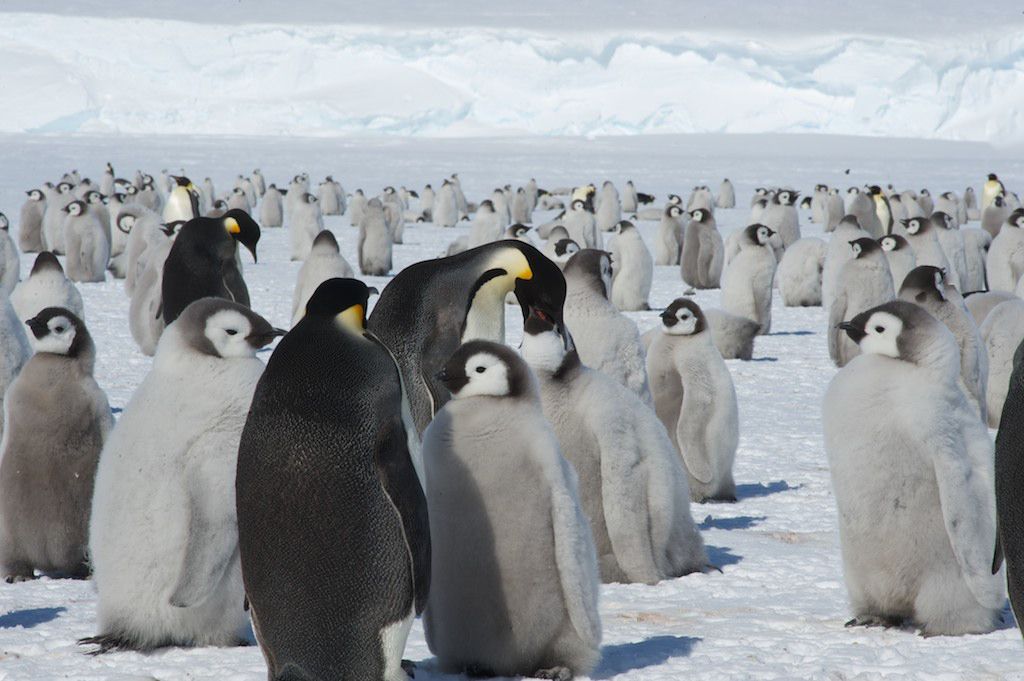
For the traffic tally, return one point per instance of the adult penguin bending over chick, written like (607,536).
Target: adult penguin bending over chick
(202,262)
(433,306)
(332,595)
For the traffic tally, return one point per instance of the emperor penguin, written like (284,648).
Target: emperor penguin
(883,210)
(581,225)
(431,307)
(971,202)
(460,196)
(522,209)
(703,253)
(1004,263)
(259,182)
(994,215)
(325,262)
(305,221)
(14,349)
(237,200)
(630,202)
(145,320)
(87,246)
(329,427)
(95,206)
(695,399)
(217,209)
(951,240)
(633,269)
(30,222)
(427,198)
(920,233)
(976,245)
(992,188)
(501,207)
(56,419)
(979,305)
(1008,476)
(561,250)
(747,282)
(863,282)
(394,217)
(622,454)
(609,210)
(900,257)
(897,211)
(10,263)
(357,208)
(700,198)
(486,225)
(107,181)
(446,209)
(782,218)
(272,207)
(926,287)
(912,474)
(819,205)
(203,262)
(800,272)
(726,195)
(374,241)
(605,339)
(327,195)
(1002,333)
(165,556)
(669,243)
(54,216)
(183,201)
(924,200)
(862,206)
(208,192)
(137,227)
(46,286)
(518,231)
(497,481)
(835,209)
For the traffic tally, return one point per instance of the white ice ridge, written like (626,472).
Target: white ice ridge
(152,76)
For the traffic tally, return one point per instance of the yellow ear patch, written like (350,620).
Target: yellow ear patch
(231,225)
(352,318)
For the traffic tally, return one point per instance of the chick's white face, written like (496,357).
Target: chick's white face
(763,235)
(883,331)
(698,215)
(675,211)
(686,325)
(36,195)
(856,249)
(486,374)
(914,226)
(888,244)
(74,208)
(784,198)
(58,340)
(227,331)
(544,351)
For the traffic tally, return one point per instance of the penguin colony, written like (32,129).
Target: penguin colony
(406,411)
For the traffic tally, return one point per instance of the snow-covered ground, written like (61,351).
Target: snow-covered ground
(776,611)
(929,70)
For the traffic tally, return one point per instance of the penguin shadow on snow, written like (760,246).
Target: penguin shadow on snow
(30,617)
(620,658)
(791,333)
(742,522)
(760,489)
(720,556)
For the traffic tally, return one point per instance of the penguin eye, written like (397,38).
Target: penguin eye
(231,332)
(879,329)
(480,370)
(59,329)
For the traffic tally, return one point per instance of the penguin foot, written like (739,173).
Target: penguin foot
(19,577)
(474,671)
(555,673)
(106,643)
(873,621)
(711,567)
(409,667)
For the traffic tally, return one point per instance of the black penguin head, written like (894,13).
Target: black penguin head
(35,194)
(242,228)
(486,206)
(623,226)
(787,197)
(170,229)
(110,168)
(125,222)
(343,300)
(853,191)
(892,242)
(518,230)
(1016,218)
(699,215)
(486,369)
(916,225)
(539,285)
(923,284)
(925,192)
(579,204)
(683,317)
(131,190)
(565,249)
(998,200)
(64,187)
(675,199)
(760,191)
(942,220)
(93,197)
(309,198)
(875,190)
(900,330)
(325,241)
(46,262)
(182,181)
(992,177)
(58,331)
(821,187)
(75,208)
(673,210)
(593,268)
(223,328)
(758,234)
(220,204)
(864,247)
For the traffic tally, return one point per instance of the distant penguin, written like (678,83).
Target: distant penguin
(237,200)
(460,198)
(994,215)
(800,271)
(992,188)
(835,209)
(819,205)
(10,264)
(695,399)
(272,207)
(329,427)
(522,210)
(562,250)
(703,252)
(862,206)
(920,233)
(46,286)
(495,609)
(56,419)
(863,282)
(217,209)
(501,207)
(900,257)
(107,181)
(305,221)
(95,206)
(357,207)
(925,286)
(924,200)
(14,349)
(1004,264)
(259,182)
(609,210)
(911,469)
(486,226)
(325,262)
(137,228)
(976,245)
(518,231)
(700,199)
(1002,333)
(605,339)
(202,262)
(838,253)
(782,217)
(394,215)
(54,216)
(883,210)
(622,454)
(30,223)
(726,195)
(632,267)
(427,197)
(446,209)
(327,196)
(669,242)
(183,202)
(630,204)
(582,226)
(747,282)
(165,556)
(374,241)
(951,240)
(87,247)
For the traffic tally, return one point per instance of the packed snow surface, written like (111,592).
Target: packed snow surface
(776,610)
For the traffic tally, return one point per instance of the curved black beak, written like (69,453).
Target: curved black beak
(855,332)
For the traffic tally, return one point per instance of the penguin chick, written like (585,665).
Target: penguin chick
(56,419)
(165,556)
(695,399)
(633,269)
(494,607)
(862,206)
(747,283)
(446,209)
(951,240)
(327,196)
(325,262)
(621,453)
(606,340)
(14,349)
(46,286)
(994,215)
(30,222)
(782,217)
(703,253)
(926,287)
(976,245)
(305,221)
(1002,333)
(911,469)
(1005,261)
(374,241)
(10,264)
(87,246)
(920,233)
(800,272)
(609,210)
(669,242)
(863,282)
(272,207)
(522,206)
(839,253)
(486,226)
(900,257)
(581,225)
(726,195)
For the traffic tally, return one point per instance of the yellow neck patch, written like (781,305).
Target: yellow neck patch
(352,318)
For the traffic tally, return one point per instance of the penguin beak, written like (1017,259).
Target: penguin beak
(38,327)
(668,318)
(855,332)
(262,338)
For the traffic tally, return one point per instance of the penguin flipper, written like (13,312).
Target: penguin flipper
(997,554)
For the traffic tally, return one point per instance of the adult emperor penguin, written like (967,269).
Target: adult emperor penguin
(911,469)
(703,251)
(46,286)
(926,287)
(669,242)
(165,556)
(202,262)
(605,339)
(183,201)
(920,233)
(633,269)
(900,257)
(325,262)
(88,250)
(1002,332)
(10,263)
(329,427)
(56,419)
(431,307)
(800,271)
(883,211)
(272,207)
(1009,472)
(30,223)
(374,247)
(726,195)
(622,454)
(863,282)
(495,609)
(695,399)
(747,282)
(1004,263)
(992,188)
